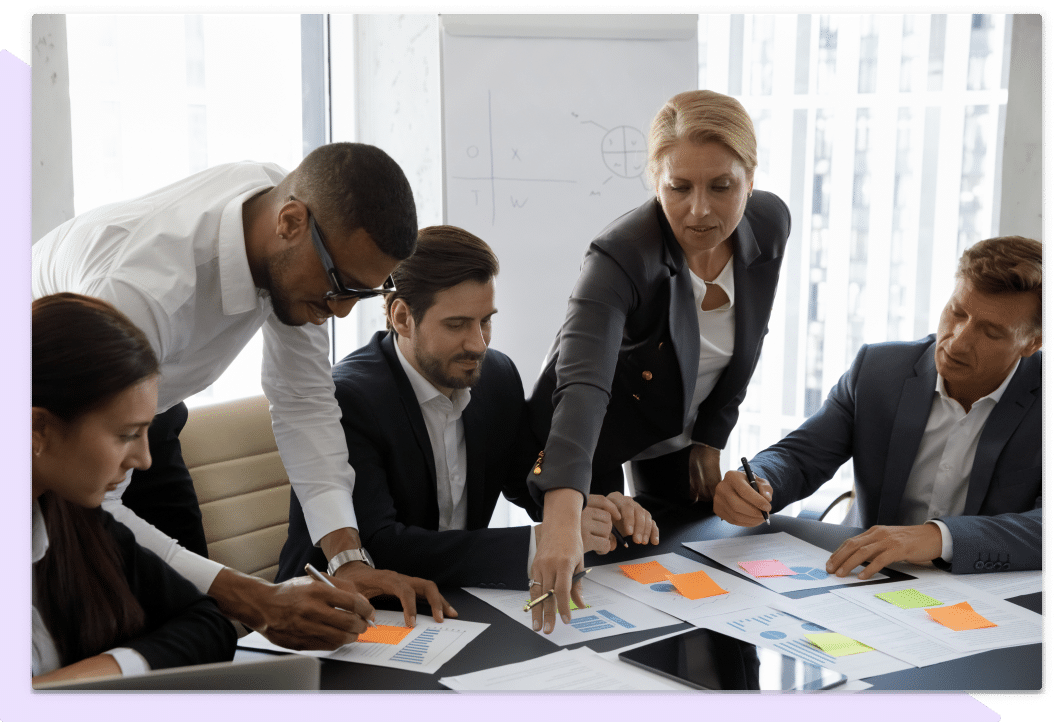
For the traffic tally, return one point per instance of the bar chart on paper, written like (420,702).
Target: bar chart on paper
(428,646)
(785,633)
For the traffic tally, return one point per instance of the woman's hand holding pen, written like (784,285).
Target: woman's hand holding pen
(736,503)
(559,555)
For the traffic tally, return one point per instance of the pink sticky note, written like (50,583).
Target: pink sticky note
(767,568)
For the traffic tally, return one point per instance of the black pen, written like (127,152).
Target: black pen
(314,573)
(753,482)
(576,578)
(620,539)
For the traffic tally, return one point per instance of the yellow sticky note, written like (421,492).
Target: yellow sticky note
(959,617)
(837,645)
(909,599)
(384,634)
(648,573)
(695,585)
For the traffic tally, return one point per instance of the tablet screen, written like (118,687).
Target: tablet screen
(706,659)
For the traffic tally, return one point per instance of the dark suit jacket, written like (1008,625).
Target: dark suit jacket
(876,415)
(623,368)
(395,492)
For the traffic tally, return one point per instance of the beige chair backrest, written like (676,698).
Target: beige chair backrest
(241,483)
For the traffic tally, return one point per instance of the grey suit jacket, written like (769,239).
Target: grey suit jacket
(876,415)
(622,370)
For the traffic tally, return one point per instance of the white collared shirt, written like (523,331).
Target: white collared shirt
(444,424)
(174,261)
(45,653)
(716,333)
(940,475)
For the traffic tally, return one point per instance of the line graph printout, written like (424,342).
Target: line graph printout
(609,613)
(785,633)
(664,596)
(807,560)
(1015,625)
(425,649)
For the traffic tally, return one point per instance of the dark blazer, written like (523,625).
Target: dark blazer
(183,626)
(623,368)
(395,492)
(876,415)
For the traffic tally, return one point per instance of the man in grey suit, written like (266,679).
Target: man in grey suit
(945,433)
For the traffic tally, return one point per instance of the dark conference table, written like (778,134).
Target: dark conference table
(506,642)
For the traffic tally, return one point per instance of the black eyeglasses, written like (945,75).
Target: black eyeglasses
(339,291)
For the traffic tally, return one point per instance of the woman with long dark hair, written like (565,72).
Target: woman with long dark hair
(102,605)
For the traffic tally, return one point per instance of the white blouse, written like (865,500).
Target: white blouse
(716,331)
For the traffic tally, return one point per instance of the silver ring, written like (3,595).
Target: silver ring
(533,581)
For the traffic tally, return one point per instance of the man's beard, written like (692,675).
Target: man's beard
(275,269)
(434,370)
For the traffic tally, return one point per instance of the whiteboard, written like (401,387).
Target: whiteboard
(545,120)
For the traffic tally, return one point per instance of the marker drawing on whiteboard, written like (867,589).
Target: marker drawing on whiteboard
(492,178)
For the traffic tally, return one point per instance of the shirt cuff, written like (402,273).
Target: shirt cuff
(130,661)
(532,551)
(947,549)
(327,512)
(196,569)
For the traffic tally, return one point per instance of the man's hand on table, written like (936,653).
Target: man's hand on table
(703,472)
(736,503)
(881,546)
(620,511)
(376,582)
(559,555)
(296,614)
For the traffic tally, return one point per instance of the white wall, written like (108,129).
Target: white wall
(52,146)
(1021,207)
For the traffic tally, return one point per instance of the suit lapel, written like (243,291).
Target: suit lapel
(474,431)
(909,423)
(410,406)
(1004,419)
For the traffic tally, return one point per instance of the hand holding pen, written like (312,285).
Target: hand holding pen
(315,574)
(752,478)
(576,578)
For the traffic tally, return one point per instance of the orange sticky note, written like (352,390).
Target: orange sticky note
(767,568)
(695,585)
(384,634)
(648,573)
(959,617)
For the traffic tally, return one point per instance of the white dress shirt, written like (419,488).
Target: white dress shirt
(174,261)
(940,475)
(45,654)
(444,424)
(716,332)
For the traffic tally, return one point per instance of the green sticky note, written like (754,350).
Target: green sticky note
(837,645)
(908,599)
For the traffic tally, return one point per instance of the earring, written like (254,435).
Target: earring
(36,451)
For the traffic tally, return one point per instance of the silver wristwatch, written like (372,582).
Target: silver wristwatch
(349,555)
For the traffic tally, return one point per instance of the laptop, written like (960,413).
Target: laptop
(283,672)
(705,659)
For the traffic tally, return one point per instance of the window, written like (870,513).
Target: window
(155,98)
(883,133)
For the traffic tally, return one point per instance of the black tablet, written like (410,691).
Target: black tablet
(705,659)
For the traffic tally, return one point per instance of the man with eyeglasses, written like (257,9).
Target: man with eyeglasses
(200,266)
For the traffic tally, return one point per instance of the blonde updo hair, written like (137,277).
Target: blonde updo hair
(701,116)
